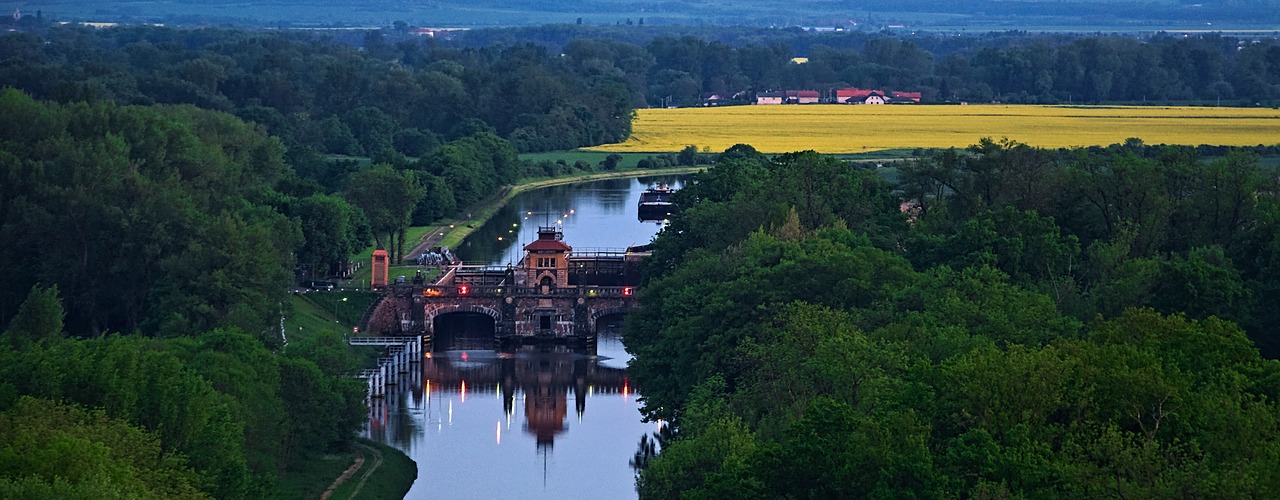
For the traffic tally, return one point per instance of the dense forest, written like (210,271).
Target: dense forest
(147,253)
(1003,321)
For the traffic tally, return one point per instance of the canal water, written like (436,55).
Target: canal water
(538,422)
(594,215)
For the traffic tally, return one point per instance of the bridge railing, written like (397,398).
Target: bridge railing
(463,290)
(371,340)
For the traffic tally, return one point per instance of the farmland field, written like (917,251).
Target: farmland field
(838,128)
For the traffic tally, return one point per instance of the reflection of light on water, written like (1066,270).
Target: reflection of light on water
(626,391)
(499,425)
(450,412)
(462,396)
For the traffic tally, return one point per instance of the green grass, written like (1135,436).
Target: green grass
(885,154)
(346,306)
(311,475)
(392,479)
(629,160)
(315,312)
(309,318)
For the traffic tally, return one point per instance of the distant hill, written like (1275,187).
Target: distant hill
(1057,15)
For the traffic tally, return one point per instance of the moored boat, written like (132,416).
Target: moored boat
(655,203)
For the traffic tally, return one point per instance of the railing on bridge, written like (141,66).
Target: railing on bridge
(465,290)
(370,340)
(589,252)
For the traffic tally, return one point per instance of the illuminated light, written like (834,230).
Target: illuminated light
(499,238)
(627,291)
(464,289)
(530,213)
(515,224)
(570,210)
(464,356)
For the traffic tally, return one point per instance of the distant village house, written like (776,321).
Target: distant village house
(851,95)
(770,97)
(854,95)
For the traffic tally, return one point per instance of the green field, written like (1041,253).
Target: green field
(629,160)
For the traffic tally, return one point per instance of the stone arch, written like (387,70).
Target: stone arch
(602,312)
(434,312)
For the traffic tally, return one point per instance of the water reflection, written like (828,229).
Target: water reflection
(539,421)
(599,214)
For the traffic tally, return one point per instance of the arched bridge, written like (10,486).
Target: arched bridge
(554,294)
(518,313)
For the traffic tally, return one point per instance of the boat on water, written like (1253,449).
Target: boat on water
(655,203)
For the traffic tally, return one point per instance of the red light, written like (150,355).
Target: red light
(626,291)
(464,289)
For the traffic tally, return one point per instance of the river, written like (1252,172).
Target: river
(537,422)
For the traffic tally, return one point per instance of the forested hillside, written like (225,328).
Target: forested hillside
(1003,322)
(147,254)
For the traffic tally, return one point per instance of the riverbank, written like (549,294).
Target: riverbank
(369,470)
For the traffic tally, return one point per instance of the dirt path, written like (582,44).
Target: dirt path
(377,461)
(359,462)
(351,471)
(429,240)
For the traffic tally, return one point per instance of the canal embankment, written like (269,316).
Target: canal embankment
(453,231)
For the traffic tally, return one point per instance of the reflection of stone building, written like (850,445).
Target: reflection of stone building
(544,410)
(545,378)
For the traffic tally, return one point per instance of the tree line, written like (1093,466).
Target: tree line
(1015,67)
(999,321)
(317,94)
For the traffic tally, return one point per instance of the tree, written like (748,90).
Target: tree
(387,197)
(39,318)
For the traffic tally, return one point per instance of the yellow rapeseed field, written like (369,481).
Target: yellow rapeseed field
(835,128)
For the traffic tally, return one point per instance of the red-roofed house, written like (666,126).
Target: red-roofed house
(854,95)
(802,97)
